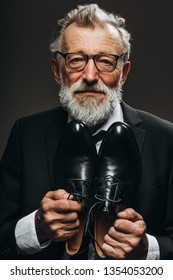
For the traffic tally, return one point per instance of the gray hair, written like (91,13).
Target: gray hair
(89,16)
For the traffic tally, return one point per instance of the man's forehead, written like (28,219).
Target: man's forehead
(74,32)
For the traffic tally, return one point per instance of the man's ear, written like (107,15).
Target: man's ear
(55,69)
(126,69)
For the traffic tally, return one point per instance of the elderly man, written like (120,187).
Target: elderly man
(90,61)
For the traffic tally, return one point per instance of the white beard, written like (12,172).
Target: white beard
(90,110)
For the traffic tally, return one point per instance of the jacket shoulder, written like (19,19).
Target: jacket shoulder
(145,120)
(42,119)
(153,121)
(45,116)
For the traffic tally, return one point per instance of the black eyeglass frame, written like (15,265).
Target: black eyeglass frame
(64,55)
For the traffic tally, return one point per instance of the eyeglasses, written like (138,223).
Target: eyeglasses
(103,62)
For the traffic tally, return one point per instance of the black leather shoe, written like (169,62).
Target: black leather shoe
(119,173)
(74,169)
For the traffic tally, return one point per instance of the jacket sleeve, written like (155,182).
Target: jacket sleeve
(166,240)
(10,194)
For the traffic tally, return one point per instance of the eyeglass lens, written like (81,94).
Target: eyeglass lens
(103,63)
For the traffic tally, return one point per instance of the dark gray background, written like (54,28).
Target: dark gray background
(27,84)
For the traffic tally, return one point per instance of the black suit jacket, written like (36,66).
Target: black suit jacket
(27,174)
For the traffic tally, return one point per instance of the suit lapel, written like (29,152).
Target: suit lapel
(132,117)
(53,135)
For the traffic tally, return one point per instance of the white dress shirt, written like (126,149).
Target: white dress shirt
(25,232)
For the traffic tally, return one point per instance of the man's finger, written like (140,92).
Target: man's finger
(129,214)
(58,194)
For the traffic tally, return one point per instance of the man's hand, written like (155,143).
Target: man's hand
(57,216)
(126,239)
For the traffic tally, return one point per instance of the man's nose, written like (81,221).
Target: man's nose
(90,72)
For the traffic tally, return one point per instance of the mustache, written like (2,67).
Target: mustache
(83,87)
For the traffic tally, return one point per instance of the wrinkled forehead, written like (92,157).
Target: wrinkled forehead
(91,36)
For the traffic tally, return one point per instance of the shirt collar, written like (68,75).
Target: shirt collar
(117,116)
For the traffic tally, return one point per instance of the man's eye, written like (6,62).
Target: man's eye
(106,61)
(76,60)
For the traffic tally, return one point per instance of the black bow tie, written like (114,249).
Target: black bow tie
(99,136)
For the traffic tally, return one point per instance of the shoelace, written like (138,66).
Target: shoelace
(79,188)
(108,182)
(80,197)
